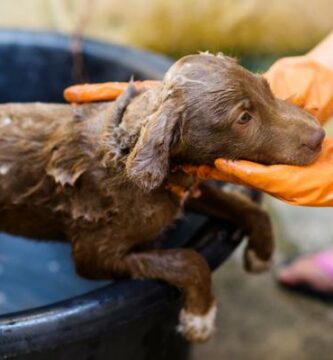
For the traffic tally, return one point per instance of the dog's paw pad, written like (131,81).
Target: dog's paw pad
(197,328)
(254,264)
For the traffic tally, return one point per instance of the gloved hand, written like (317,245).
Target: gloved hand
(107,91)
(310,185)
(305,82)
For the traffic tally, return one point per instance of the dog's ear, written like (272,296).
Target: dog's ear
(148,163)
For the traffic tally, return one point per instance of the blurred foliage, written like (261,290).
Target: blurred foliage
(178,27)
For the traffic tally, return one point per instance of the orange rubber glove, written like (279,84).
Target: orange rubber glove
(310,185)
(107,91)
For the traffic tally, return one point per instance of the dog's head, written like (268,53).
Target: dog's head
(211,107)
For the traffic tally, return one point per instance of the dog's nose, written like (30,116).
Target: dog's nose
(315,139)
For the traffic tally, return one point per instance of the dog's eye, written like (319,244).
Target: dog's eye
(245,118)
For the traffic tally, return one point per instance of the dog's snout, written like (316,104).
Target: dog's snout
(315,139)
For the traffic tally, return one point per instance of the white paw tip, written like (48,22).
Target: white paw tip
(197,328)
(256,264)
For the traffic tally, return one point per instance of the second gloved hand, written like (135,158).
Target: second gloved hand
(310,185)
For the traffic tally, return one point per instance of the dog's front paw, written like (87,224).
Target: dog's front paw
(253,263)
(197,328)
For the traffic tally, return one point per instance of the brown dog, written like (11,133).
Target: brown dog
(99,174)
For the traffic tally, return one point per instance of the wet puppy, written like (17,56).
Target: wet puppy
(100,175)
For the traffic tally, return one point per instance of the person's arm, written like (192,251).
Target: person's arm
(323,52)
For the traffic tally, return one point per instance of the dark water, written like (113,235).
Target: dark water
(37,273)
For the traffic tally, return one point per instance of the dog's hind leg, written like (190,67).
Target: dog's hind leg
(242,211)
